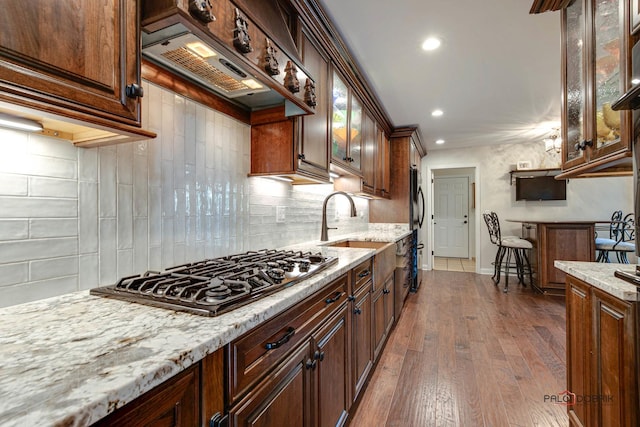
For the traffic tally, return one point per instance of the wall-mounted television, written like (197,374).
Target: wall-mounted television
(541,188)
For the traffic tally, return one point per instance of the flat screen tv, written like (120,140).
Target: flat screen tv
(541,188)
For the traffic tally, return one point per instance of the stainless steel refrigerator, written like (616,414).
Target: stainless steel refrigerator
(416,219)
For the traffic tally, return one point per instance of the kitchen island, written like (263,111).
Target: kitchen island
(73,359)
(603,369)
(571,240)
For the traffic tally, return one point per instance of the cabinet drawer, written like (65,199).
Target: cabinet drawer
(362,274)
(251,356)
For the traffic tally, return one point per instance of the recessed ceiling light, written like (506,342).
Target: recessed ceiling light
(440,141)
(437,113)
(431,43)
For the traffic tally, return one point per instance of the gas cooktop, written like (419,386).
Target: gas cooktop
(214,286)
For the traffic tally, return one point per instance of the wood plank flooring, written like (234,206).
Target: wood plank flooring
(466,354)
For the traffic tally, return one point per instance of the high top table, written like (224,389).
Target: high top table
(557,240)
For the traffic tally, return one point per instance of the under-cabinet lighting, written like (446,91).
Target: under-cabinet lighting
(19,123)
(280,178)
(635,81)
(334,175)
(201,49)
(252,84)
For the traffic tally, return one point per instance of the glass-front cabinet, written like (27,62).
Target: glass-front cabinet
(346,126)
(595,42)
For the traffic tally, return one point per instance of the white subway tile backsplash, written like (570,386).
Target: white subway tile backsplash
(88,271)
(144,205)
(53,267)
(108,182)
(11,274)
(14,229)
(88,216)
(88,164)
(32,291)
(125,216)
(14,185)
(125,163)
(51,147)
(49,187)
(53,227)
(36,207)
(26,250)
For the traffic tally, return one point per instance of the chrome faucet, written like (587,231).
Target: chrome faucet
(324,236)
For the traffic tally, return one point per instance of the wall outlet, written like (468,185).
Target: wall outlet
(280,213)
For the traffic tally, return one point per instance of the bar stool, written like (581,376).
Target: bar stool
(511,247)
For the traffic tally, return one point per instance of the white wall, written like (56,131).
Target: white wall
(74,218)
(587,199)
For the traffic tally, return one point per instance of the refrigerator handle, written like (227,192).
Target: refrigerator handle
(422,212)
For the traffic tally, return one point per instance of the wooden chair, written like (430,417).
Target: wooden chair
(510,247)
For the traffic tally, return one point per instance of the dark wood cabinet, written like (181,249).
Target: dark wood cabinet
(330,348)
(346,126)
(295,147)
(602,357)
(383,314)
(369,154)
(578,342)
(362,345)
(74,61)
(406,150)
(282,398)
(383,170)
(571,241)
(175,403)
(596,71)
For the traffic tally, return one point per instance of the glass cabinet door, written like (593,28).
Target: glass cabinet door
(574,104)
(339,118)
(606,63)
(355,139)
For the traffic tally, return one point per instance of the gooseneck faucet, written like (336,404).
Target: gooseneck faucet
(324,236)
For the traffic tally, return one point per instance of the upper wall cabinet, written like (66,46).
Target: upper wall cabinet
(346,127)
(77,60)
(595,47)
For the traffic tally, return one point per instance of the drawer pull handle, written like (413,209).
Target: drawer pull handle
(386,291)
(365,273)
(285,339)
(333,299)
(311,364)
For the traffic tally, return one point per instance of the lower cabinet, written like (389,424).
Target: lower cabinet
(173,403)
(383,314)
(362,355)
(602,358)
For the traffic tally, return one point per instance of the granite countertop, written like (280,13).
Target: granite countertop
(601,276)
(73,359)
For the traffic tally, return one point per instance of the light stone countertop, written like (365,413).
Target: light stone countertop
(72,359)
(601,276)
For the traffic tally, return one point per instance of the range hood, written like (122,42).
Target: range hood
(205,52)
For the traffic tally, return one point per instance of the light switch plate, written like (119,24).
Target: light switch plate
(280,213)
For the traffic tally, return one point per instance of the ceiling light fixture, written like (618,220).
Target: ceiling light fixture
(19,123)
(439,141)
(437,113)
(432,43)
(553,142)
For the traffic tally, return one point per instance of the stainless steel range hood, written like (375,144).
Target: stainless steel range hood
(202,52)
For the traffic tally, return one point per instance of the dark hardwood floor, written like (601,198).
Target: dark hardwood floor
(466,354)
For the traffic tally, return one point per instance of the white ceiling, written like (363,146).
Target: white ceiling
(496,75)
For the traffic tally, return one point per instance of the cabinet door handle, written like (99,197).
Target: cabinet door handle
(365,273)
(134,91)
(334,298)
(386,291)
(285,339)
(318,355)
(311,364)
(357,311)
(351,298)
(301,156)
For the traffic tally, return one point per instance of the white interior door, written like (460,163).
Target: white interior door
(451,217)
